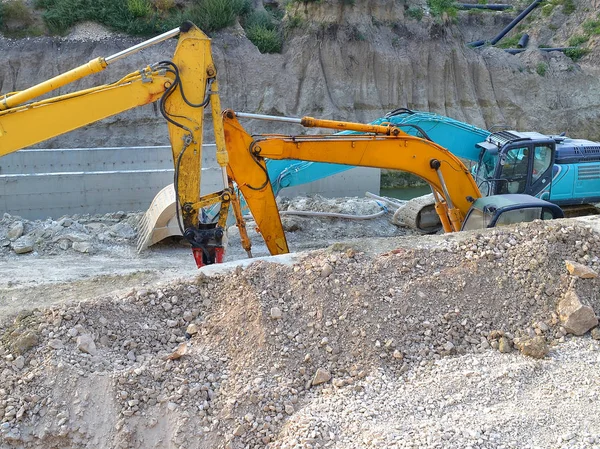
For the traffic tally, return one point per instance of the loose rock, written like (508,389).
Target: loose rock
(580,270)
(85,343)
(576,317)
(321,376)
(535,347)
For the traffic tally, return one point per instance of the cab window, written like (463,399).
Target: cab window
(514,171)
(542,158)
(476,219)
(519,216)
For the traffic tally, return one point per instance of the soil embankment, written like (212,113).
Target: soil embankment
(416,346)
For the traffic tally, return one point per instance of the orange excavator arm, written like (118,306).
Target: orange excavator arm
(388,148)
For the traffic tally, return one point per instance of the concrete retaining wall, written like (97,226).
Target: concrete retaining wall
(37,184)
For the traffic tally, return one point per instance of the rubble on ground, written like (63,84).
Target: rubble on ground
(418,347)
(68,234)
(100,233)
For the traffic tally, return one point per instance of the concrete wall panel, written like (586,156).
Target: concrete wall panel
(37,184)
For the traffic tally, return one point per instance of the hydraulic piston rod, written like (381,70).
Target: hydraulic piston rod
(310,122)
(94,66)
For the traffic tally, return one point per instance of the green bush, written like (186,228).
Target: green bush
(292,22)
(18,11)
(139,8)
(439,7)
(164,5)
(541,69)
(415,12)
(592,26)
(264,29)
(510,42)
(577,40)
(260,18)
(547,9)
(138,17)
(213,15)
(576,53)
(569,7)
(16,20)
(267,40)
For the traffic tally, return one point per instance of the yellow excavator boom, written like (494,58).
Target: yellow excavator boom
(184,86)
(450,180)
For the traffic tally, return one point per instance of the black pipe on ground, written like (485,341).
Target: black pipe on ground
(557,49)
(523,41)
(515,21)
(476,44)
(514,51)
(493,7)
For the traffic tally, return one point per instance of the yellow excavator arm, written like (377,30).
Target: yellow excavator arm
(387,147)
(184,86)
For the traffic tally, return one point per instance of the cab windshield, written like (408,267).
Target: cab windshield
(476,219)
(485,172)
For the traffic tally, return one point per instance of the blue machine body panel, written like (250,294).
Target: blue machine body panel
(576,172)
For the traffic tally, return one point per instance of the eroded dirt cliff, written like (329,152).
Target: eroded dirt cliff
(355,63)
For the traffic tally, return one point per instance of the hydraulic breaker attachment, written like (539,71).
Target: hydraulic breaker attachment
(207,243)
(207,238)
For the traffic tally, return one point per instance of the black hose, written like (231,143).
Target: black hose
(476,44)
(493,7)
(168,117)
(257,162)
(515,21)
(399,111)
(514,51)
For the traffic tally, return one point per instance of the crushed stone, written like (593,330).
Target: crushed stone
(412,348)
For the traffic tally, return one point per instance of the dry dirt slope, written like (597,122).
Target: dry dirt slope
(354,62)
(341,349)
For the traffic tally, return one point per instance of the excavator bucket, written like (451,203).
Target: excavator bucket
(160,220)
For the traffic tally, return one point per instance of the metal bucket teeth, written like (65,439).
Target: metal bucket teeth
(159,221)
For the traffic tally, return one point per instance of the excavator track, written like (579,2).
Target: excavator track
(580,210)
(419,214)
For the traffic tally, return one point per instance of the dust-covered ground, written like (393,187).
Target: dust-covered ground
(378,340)
(46,261)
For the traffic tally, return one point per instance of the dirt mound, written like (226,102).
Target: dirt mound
(338,350)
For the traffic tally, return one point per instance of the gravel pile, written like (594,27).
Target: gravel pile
(414,348)
(81,234)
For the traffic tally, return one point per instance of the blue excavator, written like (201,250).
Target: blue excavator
(555,168)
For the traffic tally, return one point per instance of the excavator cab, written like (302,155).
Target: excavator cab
(502,210)
(512,162)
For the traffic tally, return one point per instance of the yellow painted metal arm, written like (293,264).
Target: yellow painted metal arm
(12,100)
(27,125)
(389,130)
(184,82)
(401,152)
(252,179)
(184,108)
(96,65)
